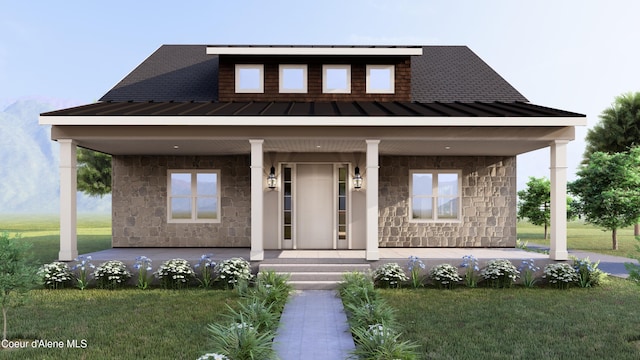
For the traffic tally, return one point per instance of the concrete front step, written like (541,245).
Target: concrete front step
(314,276)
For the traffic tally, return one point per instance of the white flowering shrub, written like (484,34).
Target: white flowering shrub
(380,341)
(232,271)
(560,275)
(212,356)
(175,274)
(500,273)
(111,274)
(444,275)
(389,275)
(55,275)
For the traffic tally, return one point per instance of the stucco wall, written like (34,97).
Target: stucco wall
(488,203)
(140,203)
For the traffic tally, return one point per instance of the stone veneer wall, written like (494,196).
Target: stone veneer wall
(488,203)
(140,202)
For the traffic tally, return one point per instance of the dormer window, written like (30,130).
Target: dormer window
(293,78)
(250,78)
(380,79)
(336,79)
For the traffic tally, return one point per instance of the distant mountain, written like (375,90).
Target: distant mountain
(29,177)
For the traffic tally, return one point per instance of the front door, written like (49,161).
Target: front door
(315,212)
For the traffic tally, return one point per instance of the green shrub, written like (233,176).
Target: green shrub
(444,275)
(380,342)
(376,311)
(242,341)
(175,274)
(356,288)
(232,271)
(112,274)
(56,275)
(588,273)
(389,275)
(560,275)
(259,313)
(500,273)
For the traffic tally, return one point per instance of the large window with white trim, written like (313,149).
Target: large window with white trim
(193,196)
(435,195)
(249,78)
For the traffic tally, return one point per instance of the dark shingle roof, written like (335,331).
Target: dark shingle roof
(171,73)
(187,73)
(352,108)
(455,73)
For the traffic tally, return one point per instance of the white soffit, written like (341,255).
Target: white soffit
(311,121)
(316,50)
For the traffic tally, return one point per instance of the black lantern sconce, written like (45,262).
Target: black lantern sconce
(357,179)
(272,181)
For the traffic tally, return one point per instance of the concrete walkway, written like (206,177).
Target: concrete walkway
(314,326)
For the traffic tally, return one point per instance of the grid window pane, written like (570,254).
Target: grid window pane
(180,184)
(181,208)
(422,208)
(207,184)
(207,208)
(422,184)
(448,184)
(447,208)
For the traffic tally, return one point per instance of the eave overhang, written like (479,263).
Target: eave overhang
(315,50)
(336,121)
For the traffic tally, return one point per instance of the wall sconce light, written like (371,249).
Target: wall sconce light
(271,179)
(357,179)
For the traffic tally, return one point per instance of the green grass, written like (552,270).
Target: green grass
(43,232)
(521,323)
(581,236)
(122,324)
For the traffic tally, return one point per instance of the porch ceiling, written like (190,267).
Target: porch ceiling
(196,140)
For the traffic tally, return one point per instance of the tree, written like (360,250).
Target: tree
(18,274)
(94,172)
(618,129)
(608,188)
(535,201)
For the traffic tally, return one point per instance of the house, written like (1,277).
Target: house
(313,147)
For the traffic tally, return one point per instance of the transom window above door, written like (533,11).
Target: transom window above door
(193,196)
(435,195)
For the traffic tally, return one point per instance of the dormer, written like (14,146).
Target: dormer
(314,73)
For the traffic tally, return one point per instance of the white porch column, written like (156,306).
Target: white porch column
(68,190)
(257,200)
(558,249)
(371,199)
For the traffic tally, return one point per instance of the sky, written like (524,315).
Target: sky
(575,55)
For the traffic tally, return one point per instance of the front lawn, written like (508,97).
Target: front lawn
(121,324)
(581,236)
(43,232)
(522,323)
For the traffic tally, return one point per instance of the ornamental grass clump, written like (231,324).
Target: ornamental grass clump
(55,275)
(213,356)
(233,271)
(205,265)
(560,275)
(500,273)
(415,265)
(272,288)
(389,275)
(175,274)
(380,341)
(528,270)
(588,273)
(82,266)
(143,265)
(111,275)
(242,341)
(470,265)
(445,276)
